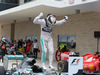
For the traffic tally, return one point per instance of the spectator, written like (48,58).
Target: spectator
(25,46)
(35,45)
(20,43)
(11,43)
(0,45)
(3,47)
(15,45)
(28,46)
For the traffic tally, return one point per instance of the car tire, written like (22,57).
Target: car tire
(62,66)
(2,70)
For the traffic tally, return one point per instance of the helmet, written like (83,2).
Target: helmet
(63,46)
(51,19)
(3,39)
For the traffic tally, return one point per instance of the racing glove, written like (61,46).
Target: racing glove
(66,18)
(41,14)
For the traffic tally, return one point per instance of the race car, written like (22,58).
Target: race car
(91,63)
(63,53)
(13,51)
(62,65)
(26,67)
(62,56)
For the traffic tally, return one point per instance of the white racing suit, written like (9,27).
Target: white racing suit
(46,39)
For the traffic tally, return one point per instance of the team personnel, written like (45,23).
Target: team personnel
(3,47)
(36,47)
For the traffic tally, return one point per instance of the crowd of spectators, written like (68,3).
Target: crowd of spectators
(25,46)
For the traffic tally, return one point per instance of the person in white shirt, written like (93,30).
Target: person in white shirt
(46,40)
(35,45)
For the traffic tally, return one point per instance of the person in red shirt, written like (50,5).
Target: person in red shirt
(28,46)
